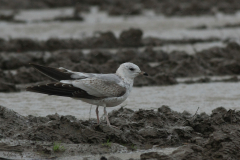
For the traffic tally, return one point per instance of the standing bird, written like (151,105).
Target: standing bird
(107,90)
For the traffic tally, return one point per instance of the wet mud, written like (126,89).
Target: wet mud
(130,38)
(198,136)
(163,67)
(135,7)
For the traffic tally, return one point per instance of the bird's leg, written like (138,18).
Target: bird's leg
(108,122)
(90,112)
(106,115)
(97,115)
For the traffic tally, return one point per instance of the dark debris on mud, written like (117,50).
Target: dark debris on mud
(201,136)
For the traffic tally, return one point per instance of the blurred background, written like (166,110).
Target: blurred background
(190,49)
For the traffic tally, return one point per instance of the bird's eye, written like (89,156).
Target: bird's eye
(131,69)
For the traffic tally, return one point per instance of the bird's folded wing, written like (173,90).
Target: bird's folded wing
(100,88)
(61,89)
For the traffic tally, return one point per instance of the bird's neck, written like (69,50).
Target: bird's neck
(128,80)
(125,79)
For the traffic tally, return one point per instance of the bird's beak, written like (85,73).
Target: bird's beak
(143,73)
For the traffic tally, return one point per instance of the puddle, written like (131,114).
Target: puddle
(134,155)
(179,97)
(190,49)
(117,151)
(153,25)
(212,78)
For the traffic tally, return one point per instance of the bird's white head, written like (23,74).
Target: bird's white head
(129,71)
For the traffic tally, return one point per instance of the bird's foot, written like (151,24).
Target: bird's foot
(113,126)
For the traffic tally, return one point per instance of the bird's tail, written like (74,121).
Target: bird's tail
(54,73)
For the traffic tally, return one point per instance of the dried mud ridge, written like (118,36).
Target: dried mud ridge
(199,136)
(163,67)
(129,38)
(133,7)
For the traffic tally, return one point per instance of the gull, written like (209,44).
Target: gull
(107,90)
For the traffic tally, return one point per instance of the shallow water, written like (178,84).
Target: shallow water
(153,25)
(74,149)
(179,97)
(188,48)
(134,155)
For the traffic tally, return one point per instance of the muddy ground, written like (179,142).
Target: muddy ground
(163,67)
(129,38)
(198,136)
(121,7)
(134,7)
